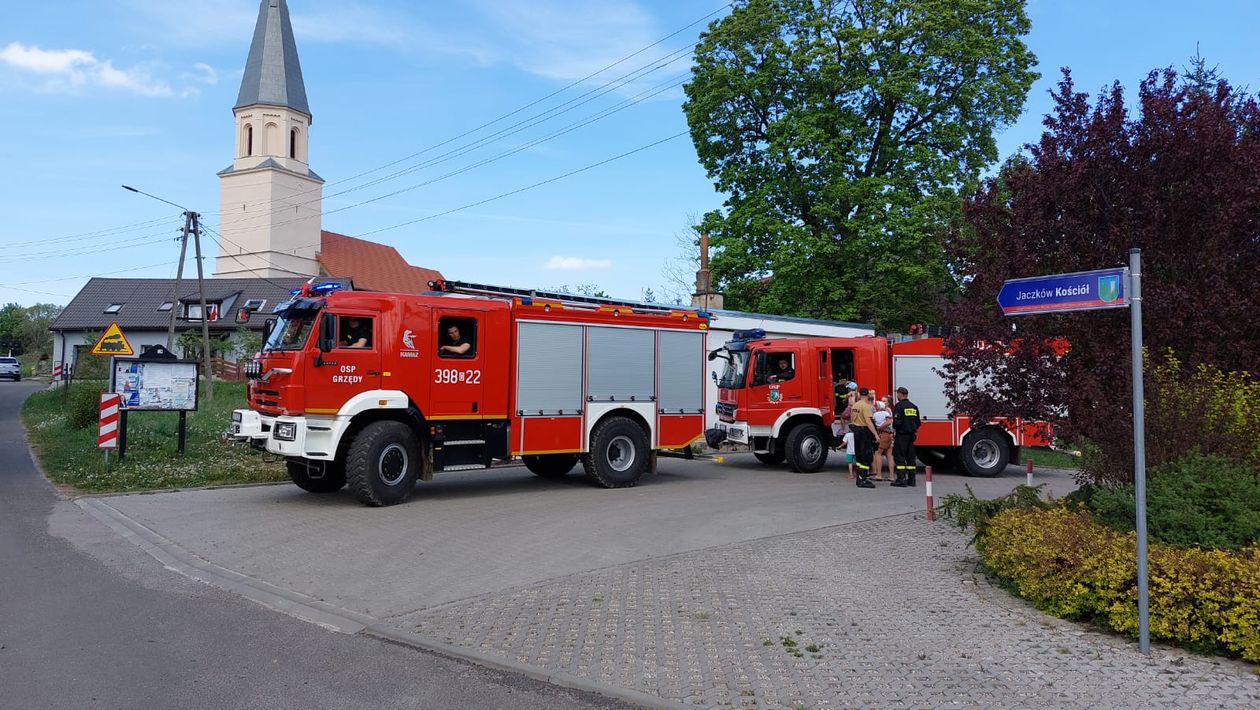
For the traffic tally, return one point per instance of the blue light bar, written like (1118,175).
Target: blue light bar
(324,287)
(753,334)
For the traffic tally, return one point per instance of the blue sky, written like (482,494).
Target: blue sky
(98,93)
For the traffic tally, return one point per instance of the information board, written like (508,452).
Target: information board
(169,386)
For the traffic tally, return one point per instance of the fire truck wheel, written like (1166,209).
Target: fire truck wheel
(550,465)
(985,453)
(383,463)
(332,480)
(618,453)
(771,458)
(806,447)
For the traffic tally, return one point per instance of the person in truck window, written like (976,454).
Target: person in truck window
(355,333)
(454,345)
(783,370)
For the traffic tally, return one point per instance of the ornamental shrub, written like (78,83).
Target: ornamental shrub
(85,403)
(1068,565)
(1200,500)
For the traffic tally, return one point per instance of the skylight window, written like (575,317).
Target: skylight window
(165,307)
(255,304)
(114,307)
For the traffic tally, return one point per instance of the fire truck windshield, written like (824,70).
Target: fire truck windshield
(292,329)
(734,375)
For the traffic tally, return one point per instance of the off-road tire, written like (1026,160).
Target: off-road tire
(806,447)
(383,463)
(985,453)
(619,453)
(333,480)
(771,458)
(550,465)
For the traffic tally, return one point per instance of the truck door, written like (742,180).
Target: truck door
(351,366)
(457,387)
(777,383)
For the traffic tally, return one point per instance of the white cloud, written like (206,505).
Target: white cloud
(564,40)
(574,263)
(71,69)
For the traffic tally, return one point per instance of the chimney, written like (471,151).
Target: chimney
(705,297)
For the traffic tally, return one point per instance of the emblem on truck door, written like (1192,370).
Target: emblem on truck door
(407,340)
(775,395)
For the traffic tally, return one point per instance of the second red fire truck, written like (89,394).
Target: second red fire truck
(378,390)
(789,418)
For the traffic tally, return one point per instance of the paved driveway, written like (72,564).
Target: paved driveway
(466,534)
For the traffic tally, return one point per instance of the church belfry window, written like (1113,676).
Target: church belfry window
(249,139)
(293,143)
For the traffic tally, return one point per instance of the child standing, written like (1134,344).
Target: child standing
(849,451)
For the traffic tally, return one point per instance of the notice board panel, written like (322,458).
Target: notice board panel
(160,385)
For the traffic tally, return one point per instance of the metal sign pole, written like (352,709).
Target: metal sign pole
(1139,447)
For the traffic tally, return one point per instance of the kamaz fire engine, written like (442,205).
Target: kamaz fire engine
(777,397)
(377,390)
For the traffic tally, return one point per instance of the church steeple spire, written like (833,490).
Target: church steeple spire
(273,75)
(270,198)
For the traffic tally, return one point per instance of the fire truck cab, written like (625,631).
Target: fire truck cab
(777,397)
(377,390)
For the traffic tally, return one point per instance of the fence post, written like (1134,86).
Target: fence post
(931,506)
(1029,483)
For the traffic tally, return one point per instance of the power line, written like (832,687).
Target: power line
(530,104)
(650,93)
(529,187)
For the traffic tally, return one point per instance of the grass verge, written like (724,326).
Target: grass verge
(1047,458)
(69,455)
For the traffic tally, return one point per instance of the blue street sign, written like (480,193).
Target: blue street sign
(1080,291)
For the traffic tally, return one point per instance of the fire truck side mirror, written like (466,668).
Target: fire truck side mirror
(327,332)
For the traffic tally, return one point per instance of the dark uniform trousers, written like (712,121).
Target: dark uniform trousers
(864,450)
(903,456)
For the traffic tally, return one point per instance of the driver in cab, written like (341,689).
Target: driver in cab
(783,370)
(455,345)
(354,334)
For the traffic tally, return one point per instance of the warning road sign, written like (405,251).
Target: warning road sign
(112,342)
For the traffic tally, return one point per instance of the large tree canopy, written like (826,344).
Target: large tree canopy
(1181,181)
(841,132)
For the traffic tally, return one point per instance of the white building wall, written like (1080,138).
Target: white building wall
(723,328)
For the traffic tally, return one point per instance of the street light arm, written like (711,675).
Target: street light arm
(142,192)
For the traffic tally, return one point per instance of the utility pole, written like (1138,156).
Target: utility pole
(192,225)
(194,219)
(183,249)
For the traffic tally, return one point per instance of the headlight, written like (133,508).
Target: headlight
(286,431)
(253,369)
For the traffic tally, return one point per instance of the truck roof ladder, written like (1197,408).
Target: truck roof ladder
(566,298)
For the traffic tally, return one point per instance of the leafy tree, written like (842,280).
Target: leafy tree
(841,133)
(12,318)
(1178,180)
(36,337)
(245,343)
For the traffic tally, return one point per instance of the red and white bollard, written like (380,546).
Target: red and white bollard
(1029,483)
(107,435)
(931,505)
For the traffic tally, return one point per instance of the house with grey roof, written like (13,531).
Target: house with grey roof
(142,308)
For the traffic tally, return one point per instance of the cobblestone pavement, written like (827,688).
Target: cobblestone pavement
(888,613)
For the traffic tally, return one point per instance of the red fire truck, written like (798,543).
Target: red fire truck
(776,396)
(377,390)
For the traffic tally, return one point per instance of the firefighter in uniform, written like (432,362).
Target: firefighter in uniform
(905,426)
(862,424)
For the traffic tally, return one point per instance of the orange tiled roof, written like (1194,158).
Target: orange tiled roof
(373,266)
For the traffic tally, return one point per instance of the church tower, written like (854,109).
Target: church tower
(270,200)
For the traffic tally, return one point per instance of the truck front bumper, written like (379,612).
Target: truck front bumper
(295,437)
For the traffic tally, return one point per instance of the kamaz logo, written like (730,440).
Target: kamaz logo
(407,340)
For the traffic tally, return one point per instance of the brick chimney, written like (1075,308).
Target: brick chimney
(705,297)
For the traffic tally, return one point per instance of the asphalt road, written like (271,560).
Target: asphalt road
(99,624)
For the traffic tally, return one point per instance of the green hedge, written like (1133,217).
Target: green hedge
(1069,565)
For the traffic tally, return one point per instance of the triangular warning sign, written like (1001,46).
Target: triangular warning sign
(112,342)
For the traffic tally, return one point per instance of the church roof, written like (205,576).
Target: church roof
(372,266)
(273,75)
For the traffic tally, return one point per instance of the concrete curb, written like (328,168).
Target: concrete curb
(333,618)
